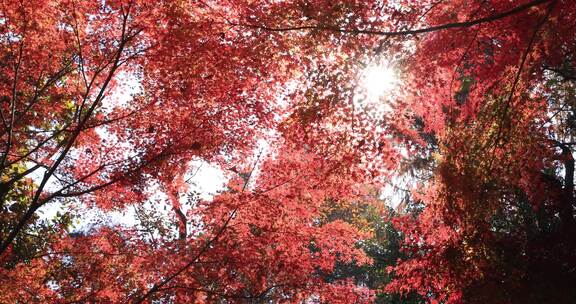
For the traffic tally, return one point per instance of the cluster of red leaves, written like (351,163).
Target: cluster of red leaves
(483,102)
(208,89)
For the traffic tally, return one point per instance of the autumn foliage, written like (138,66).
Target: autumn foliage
(108,107)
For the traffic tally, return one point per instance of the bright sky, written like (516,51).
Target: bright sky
(207,181)
(379,81)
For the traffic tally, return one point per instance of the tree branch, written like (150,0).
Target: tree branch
(465,24)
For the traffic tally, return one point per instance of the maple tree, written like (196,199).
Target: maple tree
(107,104)
(498,218)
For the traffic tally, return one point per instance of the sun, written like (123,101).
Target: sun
(379,80)
(377,88)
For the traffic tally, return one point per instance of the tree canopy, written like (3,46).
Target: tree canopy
(321,115)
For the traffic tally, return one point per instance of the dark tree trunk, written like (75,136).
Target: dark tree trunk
(567,203)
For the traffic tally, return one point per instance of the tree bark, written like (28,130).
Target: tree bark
(567,203)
